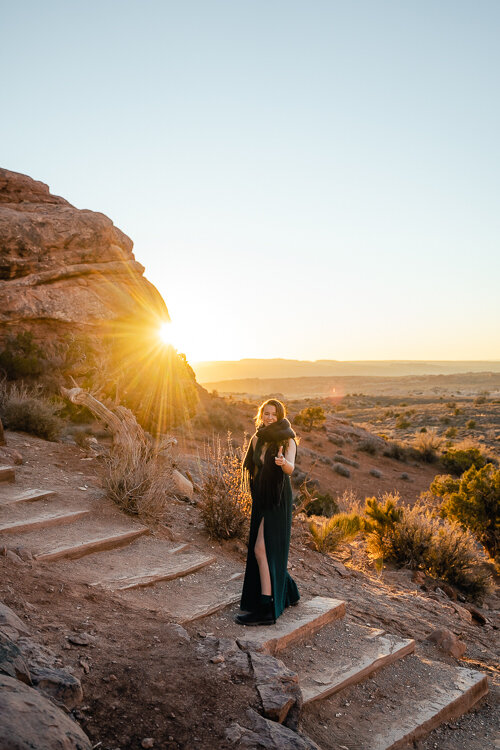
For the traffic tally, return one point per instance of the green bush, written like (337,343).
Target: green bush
(25,410)
(474,502)
(459,459)
(328,533)
(310,417)
(414,538)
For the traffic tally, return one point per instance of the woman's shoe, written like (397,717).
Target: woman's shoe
(263,616)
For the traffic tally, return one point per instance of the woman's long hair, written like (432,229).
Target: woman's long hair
(280,411)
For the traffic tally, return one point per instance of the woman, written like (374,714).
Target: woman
(268,588)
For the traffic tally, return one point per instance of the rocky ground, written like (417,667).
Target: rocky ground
(145,677)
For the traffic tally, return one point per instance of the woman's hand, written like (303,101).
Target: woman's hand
(280,460)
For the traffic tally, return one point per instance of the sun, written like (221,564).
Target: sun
(166,333)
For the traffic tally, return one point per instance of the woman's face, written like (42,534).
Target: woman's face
(269,414)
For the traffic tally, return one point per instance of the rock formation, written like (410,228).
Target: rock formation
(66,270)
(74,301)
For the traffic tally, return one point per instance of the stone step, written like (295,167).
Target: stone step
(193,596)
(294,626)
(396,707)
(143,563)
(40,520)
(7,474)
(12,495)
(343,654)
(179,566)
(85,536)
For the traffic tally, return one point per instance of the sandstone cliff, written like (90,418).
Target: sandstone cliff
(64,269)
(74,302)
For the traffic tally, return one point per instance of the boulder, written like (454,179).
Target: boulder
(278,688)
(58,685)
(448,642)
(12,662)
(10,624)
(264,734)
(183,487)
(31,721)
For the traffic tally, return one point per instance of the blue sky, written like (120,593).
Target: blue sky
(300,179)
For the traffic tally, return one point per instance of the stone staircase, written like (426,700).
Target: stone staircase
(399,695)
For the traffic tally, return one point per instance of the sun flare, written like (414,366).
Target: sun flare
(166,333)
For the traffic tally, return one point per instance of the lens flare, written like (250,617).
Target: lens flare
(166,333)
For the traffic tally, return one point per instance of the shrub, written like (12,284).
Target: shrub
(322,505)
(25,410)
(471,424)
(347,461)
(459,459)
(310,417)
(341,469)
(329,533)
(21,357)
(425,446)
(405,476)
(473,501)
(412,537)
(385,515)
(376,473)
(225,500)
(402,423)
(451,432)
(139,477)
(395,450)
(368,445)
(336,439)
(220,416)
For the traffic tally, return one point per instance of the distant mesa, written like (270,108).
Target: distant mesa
(65,270)
(211,374)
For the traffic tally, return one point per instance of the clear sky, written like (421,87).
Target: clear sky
(313,179)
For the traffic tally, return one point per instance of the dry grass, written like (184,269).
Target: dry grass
(26,410)
(139,478)
(225,499)
(426,445)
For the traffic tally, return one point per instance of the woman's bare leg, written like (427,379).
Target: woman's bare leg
(261,557)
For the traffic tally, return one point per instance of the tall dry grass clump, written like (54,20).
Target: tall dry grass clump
(225,498)
(25,409)
(139,477)
(427,445)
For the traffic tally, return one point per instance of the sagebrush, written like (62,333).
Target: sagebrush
(417,539)
(225,498)
(139,477)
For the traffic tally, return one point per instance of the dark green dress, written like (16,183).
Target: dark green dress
(277,531)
